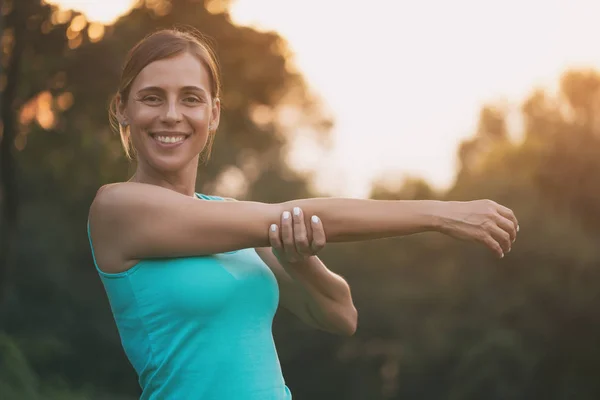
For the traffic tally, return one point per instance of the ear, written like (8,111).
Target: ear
(120,109)
(215,116)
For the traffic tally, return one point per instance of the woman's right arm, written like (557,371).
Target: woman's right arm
(132,221)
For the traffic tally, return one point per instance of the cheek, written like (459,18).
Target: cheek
(142,116)
(198,119)
(146,115)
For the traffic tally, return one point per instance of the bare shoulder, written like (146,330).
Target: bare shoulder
(116,199)
(114,194)
(133,221)
(104,223)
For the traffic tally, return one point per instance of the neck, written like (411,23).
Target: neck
(182,181)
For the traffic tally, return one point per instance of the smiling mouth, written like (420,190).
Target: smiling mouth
(170,138)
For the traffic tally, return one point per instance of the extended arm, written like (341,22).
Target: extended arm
(134,221)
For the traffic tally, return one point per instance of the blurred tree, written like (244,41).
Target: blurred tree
(437,318)
(13,42)
(66,151)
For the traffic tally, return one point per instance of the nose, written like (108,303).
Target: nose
(171,114)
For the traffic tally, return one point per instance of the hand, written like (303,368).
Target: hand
(484,221)
(290,243)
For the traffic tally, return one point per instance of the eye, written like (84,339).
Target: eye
(193,100)
(151,99)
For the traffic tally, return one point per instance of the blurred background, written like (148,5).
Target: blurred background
(386,100)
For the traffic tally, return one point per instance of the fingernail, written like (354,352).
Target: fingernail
(286,214)
(296,211)
(502,256)
(517,228)
(315,219)
(273,228)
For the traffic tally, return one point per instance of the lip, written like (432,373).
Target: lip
(153,135)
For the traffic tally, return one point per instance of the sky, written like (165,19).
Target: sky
(405,80)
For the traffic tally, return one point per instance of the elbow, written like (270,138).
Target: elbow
(348,323)
(352,323)
(342,322)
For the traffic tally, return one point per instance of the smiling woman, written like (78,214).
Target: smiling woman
(194,281)
(173,69)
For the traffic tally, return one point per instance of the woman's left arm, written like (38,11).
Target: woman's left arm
(307,287)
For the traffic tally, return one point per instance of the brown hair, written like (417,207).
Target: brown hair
(159,45)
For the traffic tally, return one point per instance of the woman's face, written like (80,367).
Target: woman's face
(170,112)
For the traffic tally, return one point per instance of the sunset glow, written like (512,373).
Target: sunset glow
(405,80)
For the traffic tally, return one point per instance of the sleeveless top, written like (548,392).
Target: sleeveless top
(199,327)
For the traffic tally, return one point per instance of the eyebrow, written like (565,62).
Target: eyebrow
(159,89)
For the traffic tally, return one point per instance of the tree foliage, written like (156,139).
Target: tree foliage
(438,319)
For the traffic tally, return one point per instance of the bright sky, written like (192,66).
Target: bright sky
(405,79)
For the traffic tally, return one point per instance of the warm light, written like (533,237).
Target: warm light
(75,42)
(95,32)
(101,11)
(45,118)
(64,101)
(27,113)
(261,115)
(61,16)
(71,34)
(216,6)
(44,115)
(231,182)
(40,110)
(78,23)
(405,80)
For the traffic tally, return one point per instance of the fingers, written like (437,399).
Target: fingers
(275,240)
(508,226)
(493,245)
(291,241)
(287,237)
(502,238)
(319,238)
(508,214)
(300,235)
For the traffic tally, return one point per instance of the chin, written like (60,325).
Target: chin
(167,163)
(171,164)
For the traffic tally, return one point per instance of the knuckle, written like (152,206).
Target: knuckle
(319,243)
(481,236)
(487,240)
(303,243)
(490,240)
(487,226)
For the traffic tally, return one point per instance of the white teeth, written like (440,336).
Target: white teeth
(170,139)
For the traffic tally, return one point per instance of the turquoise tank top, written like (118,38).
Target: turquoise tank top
(199,327)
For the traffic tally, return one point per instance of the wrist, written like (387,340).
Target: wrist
(435,215)
(291,264)
(300,265)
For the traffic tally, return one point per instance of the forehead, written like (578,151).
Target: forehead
(173,73)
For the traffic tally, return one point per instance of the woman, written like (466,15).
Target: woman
(194,281)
